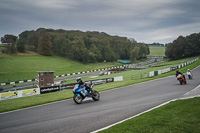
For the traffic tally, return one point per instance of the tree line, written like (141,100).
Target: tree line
(184,47)
(156,45)
(85,47)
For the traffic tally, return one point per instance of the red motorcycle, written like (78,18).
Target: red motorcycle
(181,79)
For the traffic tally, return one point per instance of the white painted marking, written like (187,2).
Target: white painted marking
(151,108)
(198,87)
(143,113)
(129,118)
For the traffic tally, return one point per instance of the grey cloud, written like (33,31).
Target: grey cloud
(144,20)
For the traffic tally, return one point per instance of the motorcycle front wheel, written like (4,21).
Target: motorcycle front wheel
(95,96)
(78,99)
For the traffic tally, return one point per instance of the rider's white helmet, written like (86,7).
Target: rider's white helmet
(79,78)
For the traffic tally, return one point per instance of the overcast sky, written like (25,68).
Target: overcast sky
(144,20)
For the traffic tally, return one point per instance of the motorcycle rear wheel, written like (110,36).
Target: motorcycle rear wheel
(77,100)
(95,96)
(181,82)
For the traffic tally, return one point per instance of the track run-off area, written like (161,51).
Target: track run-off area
(114,105)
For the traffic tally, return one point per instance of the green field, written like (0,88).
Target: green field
(157,51)
(23,67)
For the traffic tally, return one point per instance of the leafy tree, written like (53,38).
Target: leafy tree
(11,48)
(156,44)
(21,46)
(135,53)
(184,47)
(193,45)
(168,51)
(9,39)
(45,45)
(143,50)
(177,48)
(33,40)
(11,42)
(79,51)
(94,54)
(81,46)
(61,45)
(107,52)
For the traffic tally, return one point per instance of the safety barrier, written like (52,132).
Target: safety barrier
(63,75)
(154,73)
(37,91)
(20,93)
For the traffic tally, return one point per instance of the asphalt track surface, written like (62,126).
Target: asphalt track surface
(114,105)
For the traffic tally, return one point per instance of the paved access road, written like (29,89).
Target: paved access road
(114,105)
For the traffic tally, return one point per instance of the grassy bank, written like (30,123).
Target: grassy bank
(130,77)
(177,117)
(24,66)
(157,51)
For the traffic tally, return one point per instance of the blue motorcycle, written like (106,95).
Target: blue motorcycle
(80,93)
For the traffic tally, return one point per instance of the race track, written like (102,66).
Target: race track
(114,105)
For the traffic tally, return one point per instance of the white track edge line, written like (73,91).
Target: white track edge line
(149,110)
(131,117)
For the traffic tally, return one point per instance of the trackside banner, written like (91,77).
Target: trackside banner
(36,91)
(102,81)
(49,89)
(8,95)
(71,85)
(57,88)
(67,86)
(21,93)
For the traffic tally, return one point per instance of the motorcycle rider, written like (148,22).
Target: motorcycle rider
(82,84)
(177,73)
(189,72)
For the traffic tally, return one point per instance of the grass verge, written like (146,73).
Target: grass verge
(176,117)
